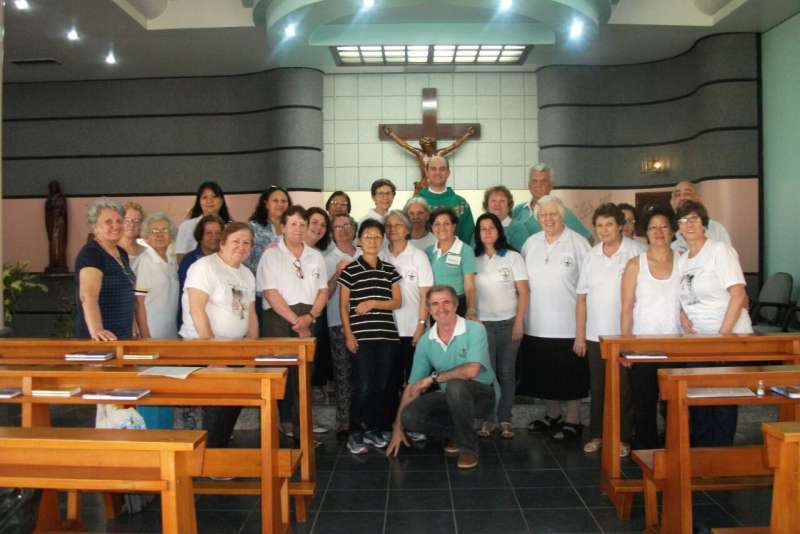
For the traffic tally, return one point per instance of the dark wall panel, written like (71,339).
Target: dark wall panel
(699,110)
(164,136)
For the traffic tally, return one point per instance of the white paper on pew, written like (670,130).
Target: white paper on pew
(698,393)
(171,372)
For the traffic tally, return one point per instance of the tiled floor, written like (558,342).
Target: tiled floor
(525,485)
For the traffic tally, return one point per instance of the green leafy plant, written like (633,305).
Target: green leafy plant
(17,280)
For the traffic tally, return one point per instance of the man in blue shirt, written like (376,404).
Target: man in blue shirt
(540,183)
(454,354)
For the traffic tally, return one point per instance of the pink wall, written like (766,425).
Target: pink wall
(25,237)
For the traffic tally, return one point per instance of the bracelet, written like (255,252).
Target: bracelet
(313,319)
(423,321)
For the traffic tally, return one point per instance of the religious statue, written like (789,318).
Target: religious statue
(55,219)
(427,149)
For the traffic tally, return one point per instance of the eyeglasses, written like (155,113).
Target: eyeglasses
(298,269)
(396,225)
(692,219)
(341,227)
(385,194)
(339,203)
(132,222)
(158,231)
(371,237)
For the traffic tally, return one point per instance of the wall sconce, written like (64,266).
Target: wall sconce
(650,166)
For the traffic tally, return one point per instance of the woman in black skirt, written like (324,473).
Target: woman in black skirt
(550,369)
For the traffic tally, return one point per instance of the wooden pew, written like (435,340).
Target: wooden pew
(161,461)
(222,386)
(674,385)
(782,441)
(734,348)
(198,353)
(712,469)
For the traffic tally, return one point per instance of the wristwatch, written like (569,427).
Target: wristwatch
(313,319)
(435,377)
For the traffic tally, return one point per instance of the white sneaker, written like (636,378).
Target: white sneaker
(355,444)
(319,429)
(375,439)
(416,436)
(593,445)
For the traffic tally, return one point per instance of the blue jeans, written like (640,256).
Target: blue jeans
(372,365)
(451,413)
(503,355)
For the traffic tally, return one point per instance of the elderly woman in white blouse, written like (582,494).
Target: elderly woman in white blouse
(552,371)
(418,212)
(157,287)
(598,314)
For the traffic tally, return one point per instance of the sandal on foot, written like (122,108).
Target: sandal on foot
(505,430)
(486,429)
(593,445)
(548,424)
(568,432)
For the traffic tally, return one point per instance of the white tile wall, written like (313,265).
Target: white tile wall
(504,104)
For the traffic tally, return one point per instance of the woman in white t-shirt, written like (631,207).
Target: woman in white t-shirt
(411,317)
(418,212)
(552,371)
(157,287)
(210,200)
(651,305)
(597,313)
(503,293)
(713,301)
(218,303)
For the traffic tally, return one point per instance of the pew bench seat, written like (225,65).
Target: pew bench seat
(68,459)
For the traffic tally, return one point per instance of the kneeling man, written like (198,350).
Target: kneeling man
(454,353)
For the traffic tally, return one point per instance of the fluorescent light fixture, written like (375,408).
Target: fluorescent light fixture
(368,4)
(506,4)
(22,5)
(430,54)
(290,31)
(111,59)
(576,29)
(72,35)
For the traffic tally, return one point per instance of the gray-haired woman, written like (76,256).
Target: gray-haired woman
(103,278)
(418,212)
(157,286)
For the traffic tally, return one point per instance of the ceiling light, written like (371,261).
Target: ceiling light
(72,35)
(22,4)
(576,29)
(506,4)
(368,4)
(429,54)
(110,58)
(290,31)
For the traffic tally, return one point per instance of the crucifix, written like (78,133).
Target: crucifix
(428,133)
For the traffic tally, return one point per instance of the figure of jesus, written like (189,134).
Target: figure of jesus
(427,149)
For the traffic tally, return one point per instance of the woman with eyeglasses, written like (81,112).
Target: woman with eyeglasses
(219,303)
(339,256)
(338,203)
(369,292)
(499,201)
(453,261)
(294,283)
(209,200)
(383,193)
(650,305)
(713,301)
(104,280)
(131,226)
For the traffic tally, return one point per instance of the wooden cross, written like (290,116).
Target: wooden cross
(430,126)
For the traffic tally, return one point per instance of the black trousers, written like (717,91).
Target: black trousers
(372,365)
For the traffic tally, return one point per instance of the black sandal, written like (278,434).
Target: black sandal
(548,424)
(568,432)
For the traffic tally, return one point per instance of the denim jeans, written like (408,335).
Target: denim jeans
(372,365)
(451,413)
(503,355)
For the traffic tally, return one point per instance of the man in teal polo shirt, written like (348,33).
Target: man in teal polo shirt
(454,354)
(540,183)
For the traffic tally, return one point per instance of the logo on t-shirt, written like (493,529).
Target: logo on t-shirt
(688,295)
(237,307)
(315,272)
(567,261)
(505,274)
(411,275)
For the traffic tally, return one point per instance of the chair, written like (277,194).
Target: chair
(773,301)
(791,323)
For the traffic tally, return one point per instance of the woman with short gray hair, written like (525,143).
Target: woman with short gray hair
(103,278)
(157,286)
(418,211)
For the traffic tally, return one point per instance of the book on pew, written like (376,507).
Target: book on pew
(9,393)
(89,356)
(277,358)
(644,355)
(140,356)
(793,392)
(116,394)
(56,392)
(699,393)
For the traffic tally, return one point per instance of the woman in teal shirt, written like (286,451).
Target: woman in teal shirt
(453,261)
